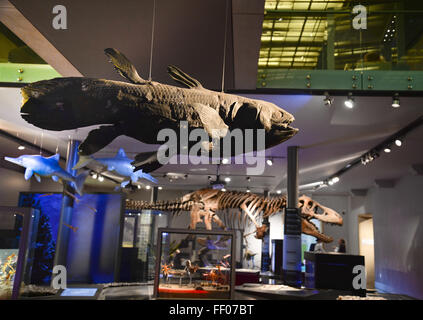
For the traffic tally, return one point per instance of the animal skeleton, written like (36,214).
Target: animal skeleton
(203,205)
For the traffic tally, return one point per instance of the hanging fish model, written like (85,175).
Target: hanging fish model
(39,166)
(142,108)
(122,165)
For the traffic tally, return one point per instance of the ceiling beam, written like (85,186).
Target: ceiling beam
(14,20)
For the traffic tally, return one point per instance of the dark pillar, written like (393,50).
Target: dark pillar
(292,225)
(153,235)
(265,245)
(63,233)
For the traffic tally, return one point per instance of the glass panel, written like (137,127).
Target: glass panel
(195,265)
(319,35)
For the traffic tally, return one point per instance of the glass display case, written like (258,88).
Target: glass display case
(193,264)
(18,228)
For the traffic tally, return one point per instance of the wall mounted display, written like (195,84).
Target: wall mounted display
(94,244)
(194,264)
(203,205)
(18,229)
(142,108)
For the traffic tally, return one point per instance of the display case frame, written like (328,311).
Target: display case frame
(193,232)
(27,236)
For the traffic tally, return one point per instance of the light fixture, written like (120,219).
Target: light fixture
(335,179)
(398,142)
(248,179)
(227,179)
(139,186)
(269,162)
(248,190)
(100,178)
(225,161)
(21,147)
(330,182)
(387,149)
(223,189)
(95,176)
(396,101)
(147,187)
(349,103)
(160,188)
(279,191)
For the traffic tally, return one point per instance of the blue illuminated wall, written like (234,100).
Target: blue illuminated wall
(94,247)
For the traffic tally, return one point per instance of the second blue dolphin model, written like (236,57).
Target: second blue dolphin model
(122,165)
(40,166)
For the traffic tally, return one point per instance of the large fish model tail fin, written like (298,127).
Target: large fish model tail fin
(82,162)
(78,184)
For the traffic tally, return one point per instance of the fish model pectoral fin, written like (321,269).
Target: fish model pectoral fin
(134,178)
(28,173)
(110,168)
(123,66)
(148,177)
(99,138)
(212,122)
(37,177)
(181,77)
(124,183)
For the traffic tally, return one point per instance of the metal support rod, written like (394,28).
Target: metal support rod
(292,225)
(265,243)
(63,234)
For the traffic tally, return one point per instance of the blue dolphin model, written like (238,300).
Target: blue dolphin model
(122,165)
(38,165)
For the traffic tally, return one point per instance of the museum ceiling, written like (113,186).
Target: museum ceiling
(329,137)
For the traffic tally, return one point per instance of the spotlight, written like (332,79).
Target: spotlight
(248,179)
(387,149)
(100,178)
(349,103)
(225,161)
(396,101)
(248,190)
(269,162)
(21,148)
(279,191)
(398,142)
(227,179)
(95,176)
(147,187)
(223,189)
(330,182)
(160,188)
(139,186)
(335,180)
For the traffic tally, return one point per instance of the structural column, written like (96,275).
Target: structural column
(265,244)
(63,234)
(292,225)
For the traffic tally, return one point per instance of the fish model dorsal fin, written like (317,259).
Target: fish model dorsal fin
(123,66)
(55,157)
(181,77)
(121,153)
